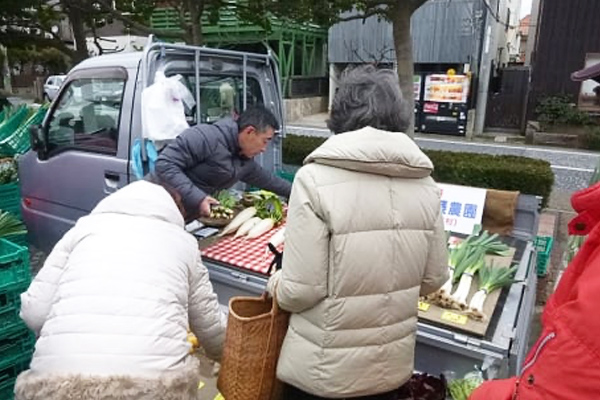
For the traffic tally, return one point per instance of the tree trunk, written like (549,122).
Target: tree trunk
(77,23)
(195,8)
(5,68)
(400,18)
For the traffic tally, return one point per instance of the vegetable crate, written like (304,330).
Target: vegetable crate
(14,264)
(10,198)
(20,239)
(16,340)
(288,176)
(8,375)
(18,141)
(10,305)
(543,246)
(12,123)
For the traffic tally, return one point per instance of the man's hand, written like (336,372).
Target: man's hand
(205,206)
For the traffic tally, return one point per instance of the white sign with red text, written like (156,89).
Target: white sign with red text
(462,207)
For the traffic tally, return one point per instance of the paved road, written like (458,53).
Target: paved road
(572,168)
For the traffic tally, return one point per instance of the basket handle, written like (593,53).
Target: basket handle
(274,313)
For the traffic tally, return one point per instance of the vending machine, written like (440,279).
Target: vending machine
(417,90)
(444,105)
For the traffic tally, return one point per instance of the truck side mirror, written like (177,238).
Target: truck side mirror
(37,138)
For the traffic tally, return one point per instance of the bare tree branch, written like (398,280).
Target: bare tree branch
(96,42)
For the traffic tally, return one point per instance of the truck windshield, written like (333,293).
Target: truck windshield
(221,96)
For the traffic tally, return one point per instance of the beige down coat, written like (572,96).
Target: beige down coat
(364,239)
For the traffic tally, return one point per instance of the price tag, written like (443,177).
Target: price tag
(424,306)
(454,318)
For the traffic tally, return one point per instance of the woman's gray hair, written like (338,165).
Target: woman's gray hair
(369,97)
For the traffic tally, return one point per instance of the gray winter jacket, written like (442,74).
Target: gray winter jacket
(206,158)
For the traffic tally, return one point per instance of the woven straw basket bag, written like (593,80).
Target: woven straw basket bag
(255,331)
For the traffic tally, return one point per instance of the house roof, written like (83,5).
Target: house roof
(524,25)
(591,72)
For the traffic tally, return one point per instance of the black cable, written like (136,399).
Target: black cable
(496,17)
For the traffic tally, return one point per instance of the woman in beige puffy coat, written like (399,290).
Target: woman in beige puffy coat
(364,239)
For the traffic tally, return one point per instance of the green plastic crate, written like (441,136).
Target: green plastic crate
(9,375)
(18,141)
(543,246)
(20,239)
(14,264)
(7,389)
(10,305)
(14,347)
(11,296)
(10,198)
(288,176)
(10,125)
(10,321)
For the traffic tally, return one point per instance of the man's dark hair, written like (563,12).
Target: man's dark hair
(258,117)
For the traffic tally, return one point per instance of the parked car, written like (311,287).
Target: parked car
(52,85)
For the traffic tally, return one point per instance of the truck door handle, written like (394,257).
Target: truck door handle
(112,176)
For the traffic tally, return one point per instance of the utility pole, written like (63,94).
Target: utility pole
(485,66)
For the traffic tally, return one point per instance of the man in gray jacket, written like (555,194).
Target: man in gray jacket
(207,158)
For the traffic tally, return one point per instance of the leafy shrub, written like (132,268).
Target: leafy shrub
(591,140)
(560,109)
(501,172)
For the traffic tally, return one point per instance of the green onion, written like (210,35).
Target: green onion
(10,225)
(490,279)
(475,262)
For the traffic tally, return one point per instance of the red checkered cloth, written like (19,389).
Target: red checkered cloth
(250,254)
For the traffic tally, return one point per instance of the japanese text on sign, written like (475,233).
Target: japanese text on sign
(462,207)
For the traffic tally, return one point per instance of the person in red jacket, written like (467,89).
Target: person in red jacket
(565,361)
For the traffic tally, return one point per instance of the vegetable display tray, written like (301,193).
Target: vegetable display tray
(460,320)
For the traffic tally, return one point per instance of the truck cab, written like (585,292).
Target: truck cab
(82,150)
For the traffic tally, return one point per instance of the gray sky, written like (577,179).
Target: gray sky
(525,7)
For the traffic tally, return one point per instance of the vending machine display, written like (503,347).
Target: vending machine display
(444,104)
(417,90)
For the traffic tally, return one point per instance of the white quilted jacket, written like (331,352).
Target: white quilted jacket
(117,293)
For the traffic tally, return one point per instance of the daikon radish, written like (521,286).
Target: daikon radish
(238,221)
(278,237)
(262,227)
(246,226)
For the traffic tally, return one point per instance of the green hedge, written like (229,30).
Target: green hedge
(527,175)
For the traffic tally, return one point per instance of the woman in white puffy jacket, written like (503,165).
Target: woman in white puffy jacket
(113,302)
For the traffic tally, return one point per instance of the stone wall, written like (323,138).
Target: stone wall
(296,109)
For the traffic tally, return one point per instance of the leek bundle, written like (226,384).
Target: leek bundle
(490,279)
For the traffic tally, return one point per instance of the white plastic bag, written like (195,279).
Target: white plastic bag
(163,112)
